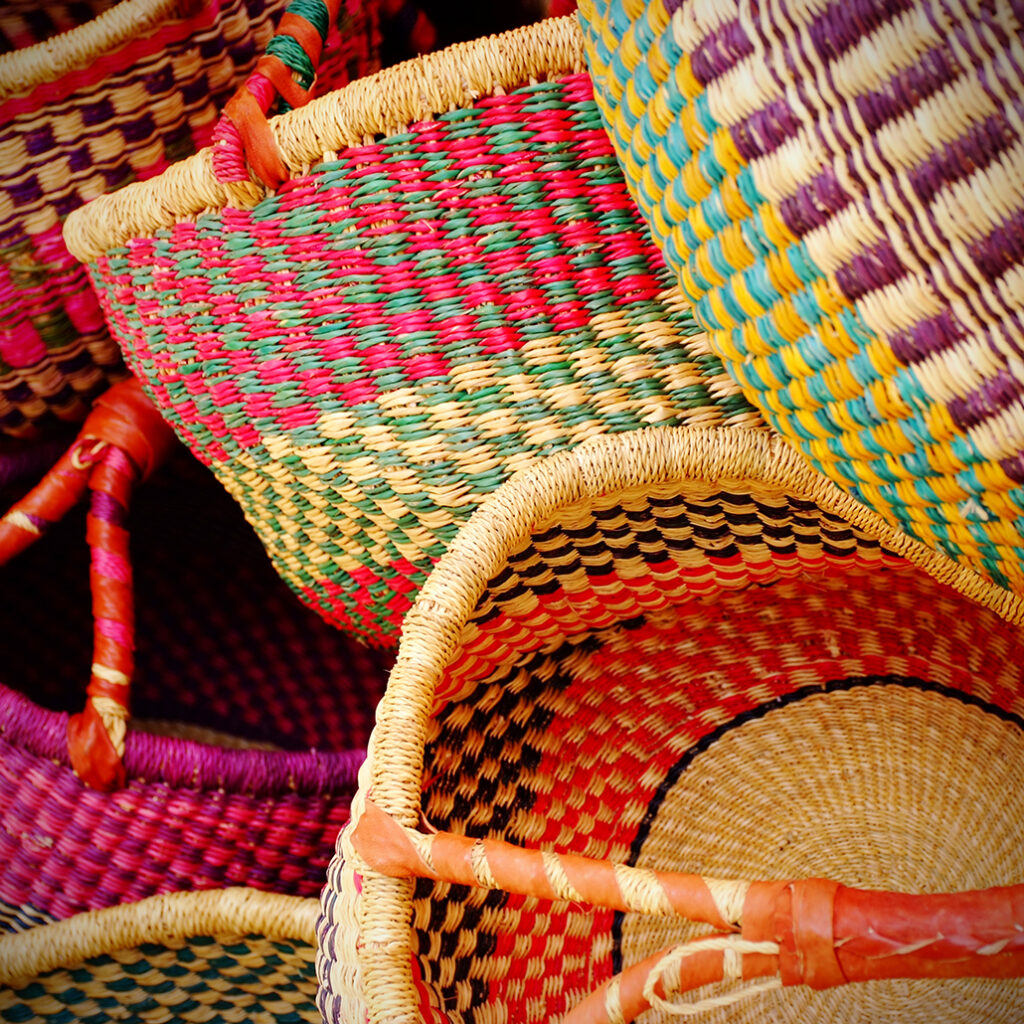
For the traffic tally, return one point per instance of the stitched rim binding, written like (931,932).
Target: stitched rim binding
(431,632)
(384,103)
(47,61)
(159,919)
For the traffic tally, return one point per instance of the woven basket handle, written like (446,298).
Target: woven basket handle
(243,132)
(812,932)
(121,442)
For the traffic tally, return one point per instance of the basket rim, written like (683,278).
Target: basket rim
(47,61)
(381,104)
(158,920)
(168,760)
(603,466)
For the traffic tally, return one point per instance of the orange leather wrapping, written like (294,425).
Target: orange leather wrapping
(93,756)
(126,418)
(695,971)
(260,145)
(977,934)
(275,69)
(383,845)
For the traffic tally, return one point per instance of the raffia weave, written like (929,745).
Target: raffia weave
(364,355)
(601,629)
(838,188)
(114,100)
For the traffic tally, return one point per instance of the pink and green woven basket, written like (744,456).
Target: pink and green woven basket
(93,96)
(458,287)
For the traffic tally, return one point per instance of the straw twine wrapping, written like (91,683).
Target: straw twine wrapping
(364,355)
(592,621)
(840,190)
(115,100)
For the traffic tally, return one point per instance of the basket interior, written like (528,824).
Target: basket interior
(722,679)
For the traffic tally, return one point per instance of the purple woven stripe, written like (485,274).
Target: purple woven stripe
(901,92)
(869,269)
(845,23)
(720,51)
(182,763)
(766,129)
(996,394)
(1013,467)
(926,338)
(979,146)
(103,506)
(813,204)
(1002,249)
(65,849)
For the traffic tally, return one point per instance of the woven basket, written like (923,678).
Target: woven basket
(682,651)
(455,290)
(113,100)
(840,190)
(251,715)
(227,955)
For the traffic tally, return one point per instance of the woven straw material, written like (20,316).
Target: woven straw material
(364,355)
(254,715)
(610,635)
(839,190)
(23,23)
(115,100)
(232,955)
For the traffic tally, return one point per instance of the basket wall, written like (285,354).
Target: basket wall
(838,190)
(116,101)
(250,716)
(597,640)
(367,353)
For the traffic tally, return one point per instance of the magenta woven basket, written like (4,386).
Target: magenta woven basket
(252,715)
(92,96)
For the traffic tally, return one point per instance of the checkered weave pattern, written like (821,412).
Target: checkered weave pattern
(196,958)
(202,981)
(365,354)
(838,189)
(115,101)
(602,631)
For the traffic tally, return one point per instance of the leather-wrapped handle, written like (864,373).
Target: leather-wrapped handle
(120,444)
(243,133)
(812,932)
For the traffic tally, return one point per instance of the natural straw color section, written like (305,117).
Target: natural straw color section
(160,920)
(53,58)
(432,631)
(380,104)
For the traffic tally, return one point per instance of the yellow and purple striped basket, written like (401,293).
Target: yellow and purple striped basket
(840,191)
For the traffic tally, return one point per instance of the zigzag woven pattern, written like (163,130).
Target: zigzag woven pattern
(840,190)
(121,114)
(197,981)
(364,355)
